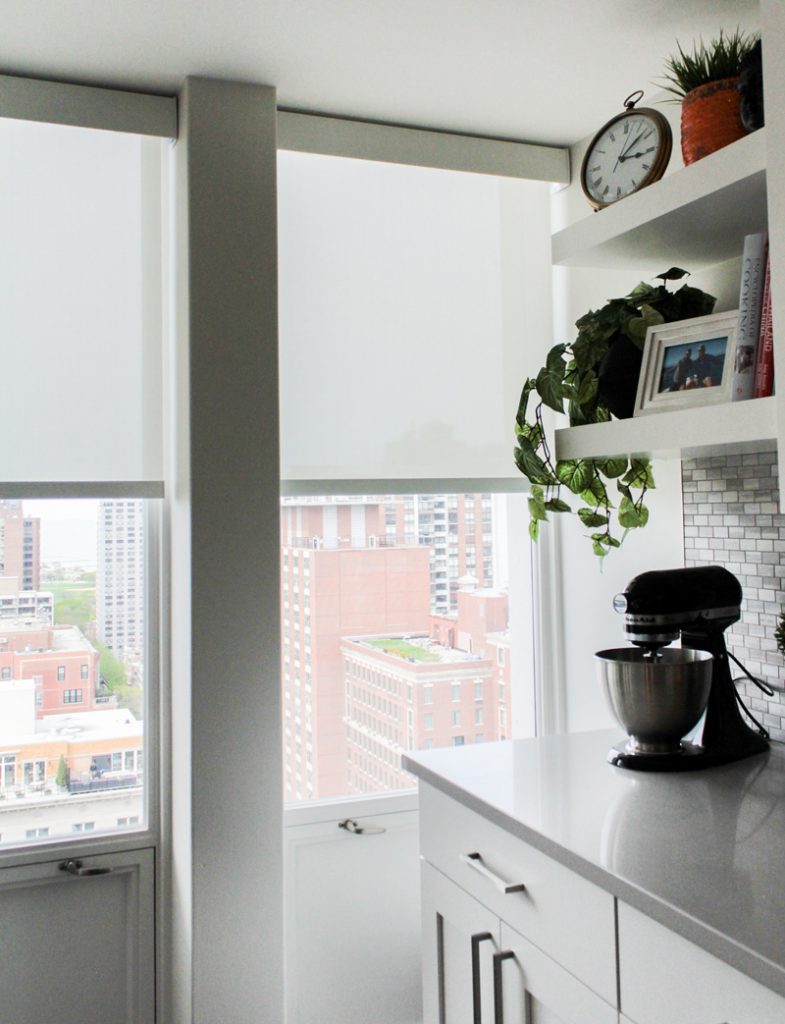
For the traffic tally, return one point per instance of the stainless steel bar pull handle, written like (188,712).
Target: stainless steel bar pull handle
(498,991)
(75,867)
(476,991)
(474,860)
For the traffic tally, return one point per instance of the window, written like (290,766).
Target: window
(83,826)
(458,741)
(478,716)
(439,639)
(84,672)
(72,696)
(6,673)
(36,833)
(60,673)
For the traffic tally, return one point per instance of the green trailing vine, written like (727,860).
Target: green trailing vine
(610,492)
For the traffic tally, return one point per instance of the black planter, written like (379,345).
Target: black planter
(618,373)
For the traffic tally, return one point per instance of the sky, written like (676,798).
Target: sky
(68,529)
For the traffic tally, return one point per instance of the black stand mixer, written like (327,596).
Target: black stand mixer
(699,604)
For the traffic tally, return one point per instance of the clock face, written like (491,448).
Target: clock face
(630,152)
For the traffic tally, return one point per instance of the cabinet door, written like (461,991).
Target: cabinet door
(663,977)
(78,948)
(459,938)
(531,988)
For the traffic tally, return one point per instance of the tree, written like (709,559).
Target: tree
(61,778)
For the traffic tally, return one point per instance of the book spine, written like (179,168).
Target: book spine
(764,371)
(748,326)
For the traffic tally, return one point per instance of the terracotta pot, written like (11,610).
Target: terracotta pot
(710,119)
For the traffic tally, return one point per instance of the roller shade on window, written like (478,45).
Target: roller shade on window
(409,299)
(80,314)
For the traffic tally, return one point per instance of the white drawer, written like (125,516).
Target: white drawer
(570,919)
(664,978)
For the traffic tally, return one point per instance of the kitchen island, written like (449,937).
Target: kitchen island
(700,853)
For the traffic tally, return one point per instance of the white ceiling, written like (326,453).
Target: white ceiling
(538,70)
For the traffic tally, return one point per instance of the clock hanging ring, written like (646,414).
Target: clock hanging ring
(628,153)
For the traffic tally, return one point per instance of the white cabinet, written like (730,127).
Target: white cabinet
(80,947)
(507,931)
(478,970)
(663,978)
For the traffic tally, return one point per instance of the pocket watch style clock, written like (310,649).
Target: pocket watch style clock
(628,153)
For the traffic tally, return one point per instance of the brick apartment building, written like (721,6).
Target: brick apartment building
(339,577)
(346,574)
(448,687)
(60,662)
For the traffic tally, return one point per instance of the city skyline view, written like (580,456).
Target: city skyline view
(71,669)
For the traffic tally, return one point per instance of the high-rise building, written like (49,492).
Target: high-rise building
(458,530)
(340,576)
(120,575)
(20,545)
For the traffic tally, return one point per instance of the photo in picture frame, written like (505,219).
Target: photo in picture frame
(687,364)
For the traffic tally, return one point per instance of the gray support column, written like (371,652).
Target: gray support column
(225,590)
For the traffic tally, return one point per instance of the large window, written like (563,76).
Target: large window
(72,757)
(80,264)
(407,297)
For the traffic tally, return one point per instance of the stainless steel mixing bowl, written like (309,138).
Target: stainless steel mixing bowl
(657,699)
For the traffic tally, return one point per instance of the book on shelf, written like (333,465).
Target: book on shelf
(764,364)
(753,268)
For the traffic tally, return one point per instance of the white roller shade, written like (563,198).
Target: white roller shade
(409,298)
(80,306)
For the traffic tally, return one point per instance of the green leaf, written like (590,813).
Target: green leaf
(554,361)
(598,549)
(551,387)
(622,488)
(639,474)
(537,504)
(587,388)
(534,529)
(590,518)
(613,468)
(588,350)
(673,274)
(557,505)
(613,542)
(523,402)
(530,464)
(629,515)
(637,326)
(575,474)
(596,494)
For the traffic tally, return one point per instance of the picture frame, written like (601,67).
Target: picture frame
(687,364)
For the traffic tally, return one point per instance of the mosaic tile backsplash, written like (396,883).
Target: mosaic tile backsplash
(732,518)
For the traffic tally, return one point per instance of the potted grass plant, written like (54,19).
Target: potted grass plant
(706,81)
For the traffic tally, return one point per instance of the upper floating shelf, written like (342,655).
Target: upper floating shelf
(694,217)
(680,433)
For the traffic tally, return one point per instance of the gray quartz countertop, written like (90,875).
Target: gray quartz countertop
(701,852)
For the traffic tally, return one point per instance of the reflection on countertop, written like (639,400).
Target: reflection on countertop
(702,852)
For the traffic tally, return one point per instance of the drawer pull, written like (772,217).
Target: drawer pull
(474,861)
(476,994)
(498,991)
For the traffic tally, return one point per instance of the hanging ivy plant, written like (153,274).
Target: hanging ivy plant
(585,375)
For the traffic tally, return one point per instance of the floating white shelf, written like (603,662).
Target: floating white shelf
(684,433)
(694,217)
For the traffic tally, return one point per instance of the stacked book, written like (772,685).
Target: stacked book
(753,368)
